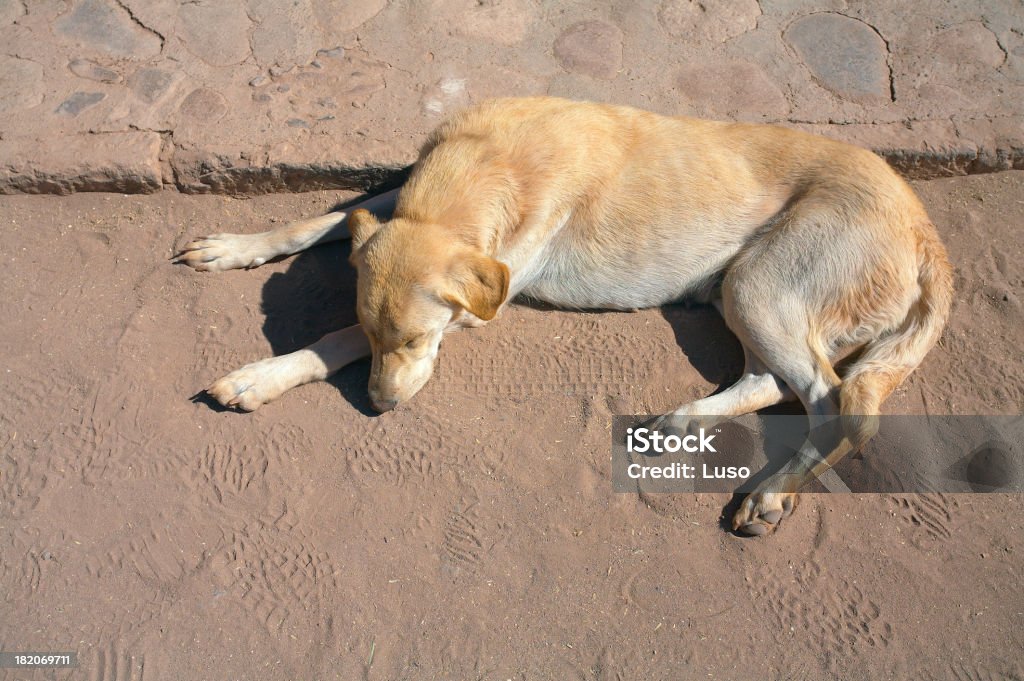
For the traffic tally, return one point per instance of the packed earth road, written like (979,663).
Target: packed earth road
(472,532)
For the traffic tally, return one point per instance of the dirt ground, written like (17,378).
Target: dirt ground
(473,532)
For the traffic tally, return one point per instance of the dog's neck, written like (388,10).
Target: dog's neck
(481,211)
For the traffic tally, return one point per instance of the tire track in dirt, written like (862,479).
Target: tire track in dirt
(581,358)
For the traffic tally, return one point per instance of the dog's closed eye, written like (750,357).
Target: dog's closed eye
(415,342)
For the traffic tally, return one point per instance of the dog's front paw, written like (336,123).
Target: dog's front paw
(250,387)
(220,252)
(761,512)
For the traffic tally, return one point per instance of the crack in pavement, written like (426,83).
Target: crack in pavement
(138,22)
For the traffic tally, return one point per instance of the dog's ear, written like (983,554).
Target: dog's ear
(361,225)
(479,284)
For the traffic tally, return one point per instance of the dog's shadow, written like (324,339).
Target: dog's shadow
(315,296)
(710,347)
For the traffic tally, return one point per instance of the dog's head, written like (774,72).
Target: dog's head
(415,282)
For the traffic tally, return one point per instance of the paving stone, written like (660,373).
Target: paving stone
(504,23)
(845,55)
(968,43)
(217,32)
(79,102)
(10,11)
(90,70)
(106,27)
(736,89)
(151,84)
(783,7)
(205,105)
(333,53)
(960,69)
(593,48)
(159,16)
(713,20)
(337,17)
(21,83)
(309,94)
(286,35)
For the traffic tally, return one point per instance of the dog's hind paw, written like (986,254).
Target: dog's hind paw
(680,425)
(220,252)
(762,512)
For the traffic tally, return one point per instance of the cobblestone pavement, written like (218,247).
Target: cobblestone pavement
(261,95)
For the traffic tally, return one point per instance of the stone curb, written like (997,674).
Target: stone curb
(125,162)
(146,162)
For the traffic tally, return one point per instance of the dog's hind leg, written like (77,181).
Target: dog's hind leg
(893,302)
(255,384)
(810,376)
(220,252)
(756,389)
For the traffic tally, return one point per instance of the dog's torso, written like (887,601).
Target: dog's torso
(596,206)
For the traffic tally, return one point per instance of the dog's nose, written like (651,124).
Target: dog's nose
(383,405)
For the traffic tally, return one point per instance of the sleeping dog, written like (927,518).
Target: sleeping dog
(811,249)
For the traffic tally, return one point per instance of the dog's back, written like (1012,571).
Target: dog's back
(639,209)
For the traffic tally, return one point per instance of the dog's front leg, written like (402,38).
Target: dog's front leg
(255,384)
(220,252)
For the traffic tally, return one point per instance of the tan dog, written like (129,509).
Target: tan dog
(811,249)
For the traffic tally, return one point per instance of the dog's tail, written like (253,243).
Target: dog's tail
(887,360)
